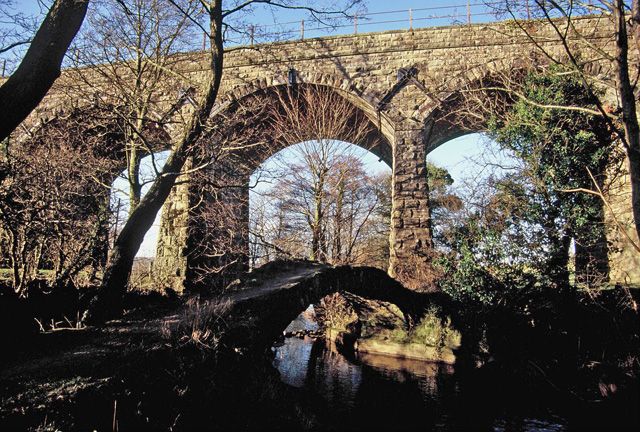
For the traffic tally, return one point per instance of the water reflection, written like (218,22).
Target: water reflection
(372,392)
(427,375)
(365,392)
(527,424)
(292,360)
(334,377)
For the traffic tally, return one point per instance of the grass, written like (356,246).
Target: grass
(6,274)
(202,324)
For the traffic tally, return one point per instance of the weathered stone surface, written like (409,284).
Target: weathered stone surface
(170,266)
(413,351)
(624,260)
(379,327)
(364,69)
(410,214)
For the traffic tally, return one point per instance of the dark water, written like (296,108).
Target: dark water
(382,393)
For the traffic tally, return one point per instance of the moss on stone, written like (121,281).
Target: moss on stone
(379,327)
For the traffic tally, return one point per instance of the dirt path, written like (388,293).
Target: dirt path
(59,364)
(277,281)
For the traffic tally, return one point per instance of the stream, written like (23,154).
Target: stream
(372,392)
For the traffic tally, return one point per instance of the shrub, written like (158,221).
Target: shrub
(436,330)
(335,312)
(202,324)
(419,273)
(465,280)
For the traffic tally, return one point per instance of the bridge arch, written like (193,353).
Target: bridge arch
(404,151)
(271,308)
(441,114)
(79,153)
(254,126)
(382,124)
(450,118)
(362,97)
(432,122)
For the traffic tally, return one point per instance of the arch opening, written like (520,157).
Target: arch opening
(322,200)
(505,215)
(120,201)
(247,133)
(469,168)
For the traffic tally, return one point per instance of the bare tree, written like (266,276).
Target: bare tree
(316,118)
(141,218)
(53,204)
(16,33)
(126,59)
(40,67)
(269,231)
(324,219)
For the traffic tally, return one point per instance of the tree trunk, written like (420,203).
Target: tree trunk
(135,188)
(634,174)
(15,264)
(316,229)
(339,219)
(592,250)
(108,302)
(40,67)
(628,101)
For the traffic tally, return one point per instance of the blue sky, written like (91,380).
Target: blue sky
(463,157)
(373,16)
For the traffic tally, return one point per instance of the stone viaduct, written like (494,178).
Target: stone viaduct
(400,80)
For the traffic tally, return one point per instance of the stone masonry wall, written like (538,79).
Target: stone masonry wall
(364,68)
(170,266)
(410,214)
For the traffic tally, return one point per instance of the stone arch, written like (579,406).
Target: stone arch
(79,151)
(411,235)
(95,128)
(273,309)
(235,170)
(439,126)
(376,141)
(363,98)
(458,81)
(430,113)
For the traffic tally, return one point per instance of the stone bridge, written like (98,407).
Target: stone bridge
(400,80)
(262,312)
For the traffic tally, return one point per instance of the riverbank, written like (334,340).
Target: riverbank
(179,364)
